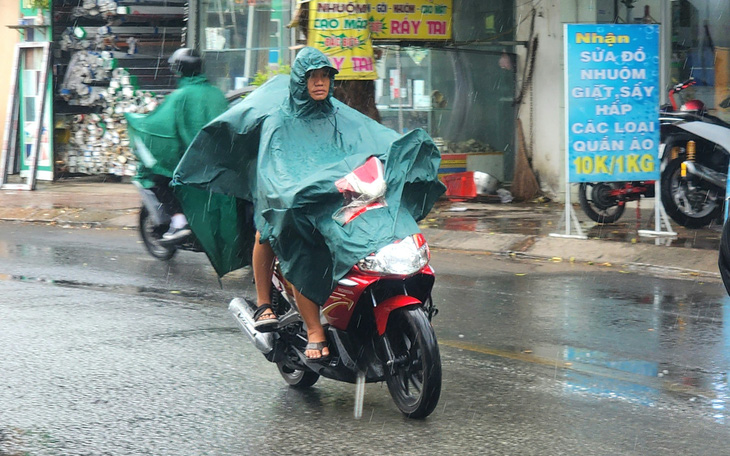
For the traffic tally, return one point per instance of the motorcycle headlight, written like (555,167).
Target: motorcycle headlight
(403,258)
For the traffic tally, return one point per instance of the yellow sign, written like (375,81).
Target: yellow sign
(428,20)
(340,30)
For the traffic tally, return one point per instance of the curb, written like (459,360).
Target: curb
(678,262)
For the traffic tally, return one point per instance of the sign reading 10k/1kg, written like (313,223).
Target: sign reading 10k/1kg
(612,102)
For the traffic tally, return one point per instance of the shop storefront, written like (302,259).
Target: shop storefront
(460,90)
(694,43)
(110,57)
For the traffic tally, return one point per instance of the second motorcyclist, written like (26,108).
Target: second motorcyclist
(161,137)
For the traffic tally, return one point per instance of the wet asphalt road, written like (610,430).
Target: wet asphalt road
(108,351)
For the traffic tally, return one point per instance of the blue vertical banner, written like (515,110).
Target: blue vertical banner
(612,102)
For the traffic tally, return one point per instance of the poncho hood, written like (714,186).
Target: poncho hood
(300,103)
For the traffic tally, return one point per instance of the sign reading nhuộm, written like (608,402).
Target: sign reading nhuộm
(342,32)
(612,102)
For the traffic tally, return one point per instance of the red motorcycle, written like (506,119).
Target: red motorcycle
(605,202)
(377,319)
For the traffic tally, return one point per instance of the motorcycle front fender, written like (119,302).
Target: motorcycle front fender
(382,310)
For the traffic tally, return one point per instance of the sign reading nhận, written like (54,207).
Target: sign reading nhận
(612,102)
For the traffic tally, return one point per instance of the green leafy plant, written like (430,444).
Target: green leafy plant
(39,4)
(262,77)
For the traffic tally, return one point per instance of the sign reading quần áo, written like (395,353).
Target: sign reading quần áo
(612,102)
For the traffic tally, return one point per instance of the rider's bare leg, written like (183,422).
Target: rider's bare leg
(263,269)
(315,332)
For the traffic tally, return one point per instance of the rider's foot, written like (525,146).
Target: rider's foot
(317,350)
(316,346)
(177,234)
(264,318)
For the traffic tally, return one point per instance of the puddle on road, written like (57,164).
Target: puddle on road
(637,381)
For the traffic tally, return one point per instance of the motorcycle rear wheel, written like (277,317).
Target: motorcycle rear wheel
(151,235)
(691,208)
(598,204)
(297,378)
(415,380)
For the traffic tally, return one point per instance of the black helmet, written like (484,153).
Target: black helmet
(186,62)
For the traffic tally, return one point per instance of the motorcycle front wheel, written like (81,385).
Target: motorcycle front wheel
(689,205)
(597,202)
(414,380)
(151,235)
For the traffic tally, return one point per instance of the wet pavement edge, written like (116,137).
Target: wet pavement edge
(116,206)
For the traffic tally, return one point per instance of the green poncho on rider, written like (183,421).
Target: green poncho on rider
(161,137)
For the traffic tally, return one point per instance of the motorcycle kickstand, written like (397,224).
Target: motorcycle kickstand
(359,394)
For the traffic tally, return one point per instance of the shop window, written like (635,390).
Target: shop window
(483,20)
(701,50)
(241,39)
(461,98)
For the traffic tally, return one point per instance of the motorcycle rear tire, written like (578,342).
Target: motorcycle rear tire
(670,179)
(415,385)
(297,378)
(723,260)
(151,236)
(610,214)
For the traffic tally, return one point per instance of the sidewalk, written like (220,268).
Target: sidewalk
(504,229)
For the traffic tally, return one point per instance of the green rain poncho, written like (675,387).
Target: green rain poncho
(160,138)
(283,151)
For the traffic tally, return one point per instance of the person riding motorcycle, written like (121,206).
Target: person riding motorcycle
(319,85)
(283,148)
(161,137)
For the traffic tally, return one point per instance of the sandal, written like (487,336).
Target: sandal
(265,324)
(317,346)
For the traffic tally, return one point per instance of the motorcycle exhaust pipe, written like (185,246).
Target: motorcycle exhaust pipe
(243,314)
(704,173)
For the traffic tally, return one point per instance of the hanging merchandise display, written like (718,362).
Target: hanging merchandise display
(98,143)
(110,57)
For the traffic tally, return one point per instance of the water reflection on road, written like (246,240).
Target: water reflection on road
(538,358)
(608,335)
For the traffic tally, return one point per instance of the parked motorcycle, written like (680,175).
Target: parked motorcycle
(154,221)
(605,202)
(695,149)
(723,261)
(688,204)
(376,320)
